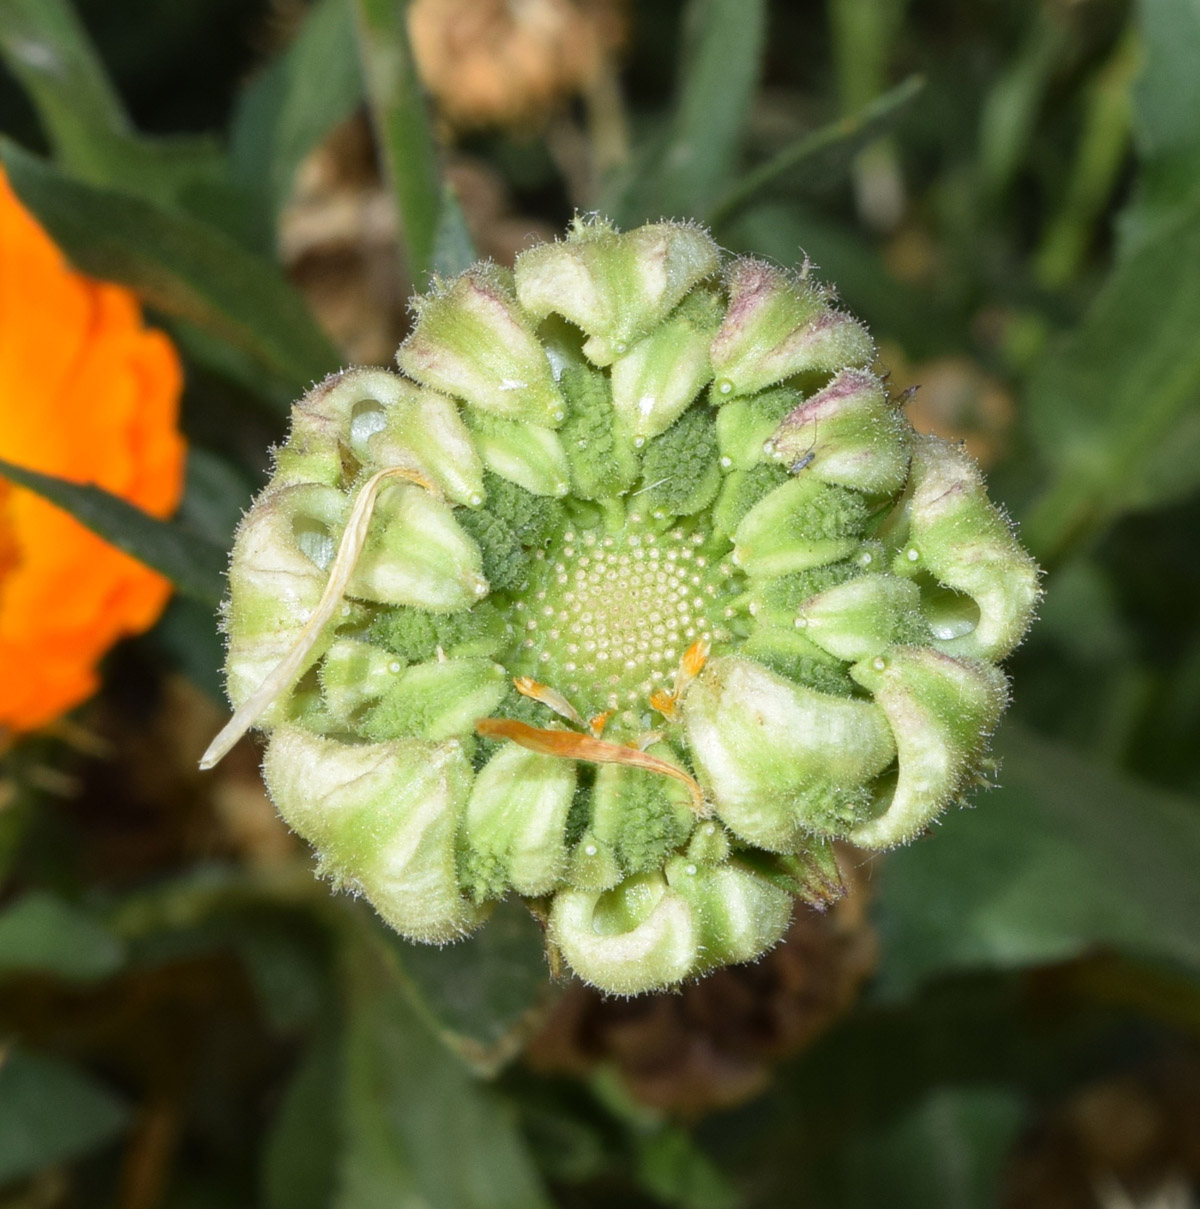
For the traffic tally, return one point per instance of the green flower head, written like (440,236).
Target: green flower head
(630,595)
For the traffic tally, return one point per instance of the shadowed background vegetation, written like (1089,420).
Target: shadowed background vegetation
(1006,1013)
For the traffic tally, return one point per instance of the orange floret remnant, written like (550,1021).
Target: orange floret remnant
(567,745)
(87,393)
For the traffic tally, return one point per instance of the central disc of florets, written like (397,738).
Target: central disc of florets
(608,615)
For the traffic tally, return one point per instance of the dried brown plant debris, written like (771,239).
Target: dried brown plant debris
(511,62)
(716,1042)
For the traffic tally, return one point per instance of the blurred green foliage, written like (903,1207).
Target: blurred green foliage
(1013,183)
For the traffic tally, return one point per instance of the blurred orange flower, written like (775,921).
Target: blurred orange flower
(89,394)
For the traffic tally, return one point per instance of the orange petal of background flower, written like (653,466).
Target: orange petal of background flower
(8,539)
(89,394)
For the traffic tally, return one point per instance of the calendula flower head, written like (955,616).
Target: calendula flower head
(630,595)
(86,393)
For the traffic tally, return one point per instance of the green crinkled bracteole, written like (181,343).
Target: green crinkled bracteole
(630,595)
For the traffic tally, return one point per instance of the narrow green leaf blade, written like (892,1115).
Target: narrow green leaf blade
(453,249)
(41,934)
(1061,859)
(296,100)
(46,47)
(680,176)
(50,1113)
(418,1128)
(1166,134)
(178,264)
(1013,103)
(402,127)
(1115,407)
(816,160)
(194,565)
(722,60)
(188,173)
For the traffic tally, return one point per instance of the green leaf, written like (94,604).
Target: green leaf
(296,100)
(1115,407)
(948,1149)
(1013,104)
(195,566)
(478,994)
(824,156)
(286,967)
(187,174)
(916,1099)
(719,72)
(46,47)
(215,495)
(50,1113)
(230,366)
(418,1129)
(722,59)
(1061,859)
(14,821)
(453,249)
(402,128)
(40,934)
(300,1156)
(1098,162)
(676,1171)
(178,264)
(1166,134)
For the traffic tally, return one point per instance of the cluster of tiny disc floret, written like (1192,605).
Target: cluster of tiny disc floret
(608,616)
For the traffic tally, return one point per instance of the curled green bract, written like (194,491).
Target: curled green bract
(630,595)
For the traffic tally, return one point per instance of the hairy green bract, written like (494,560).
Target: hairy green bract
(630,594)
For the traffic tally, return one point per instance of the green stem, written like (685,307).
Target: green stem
(864,33)
(1102,150)
(844,136)
(401,121)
